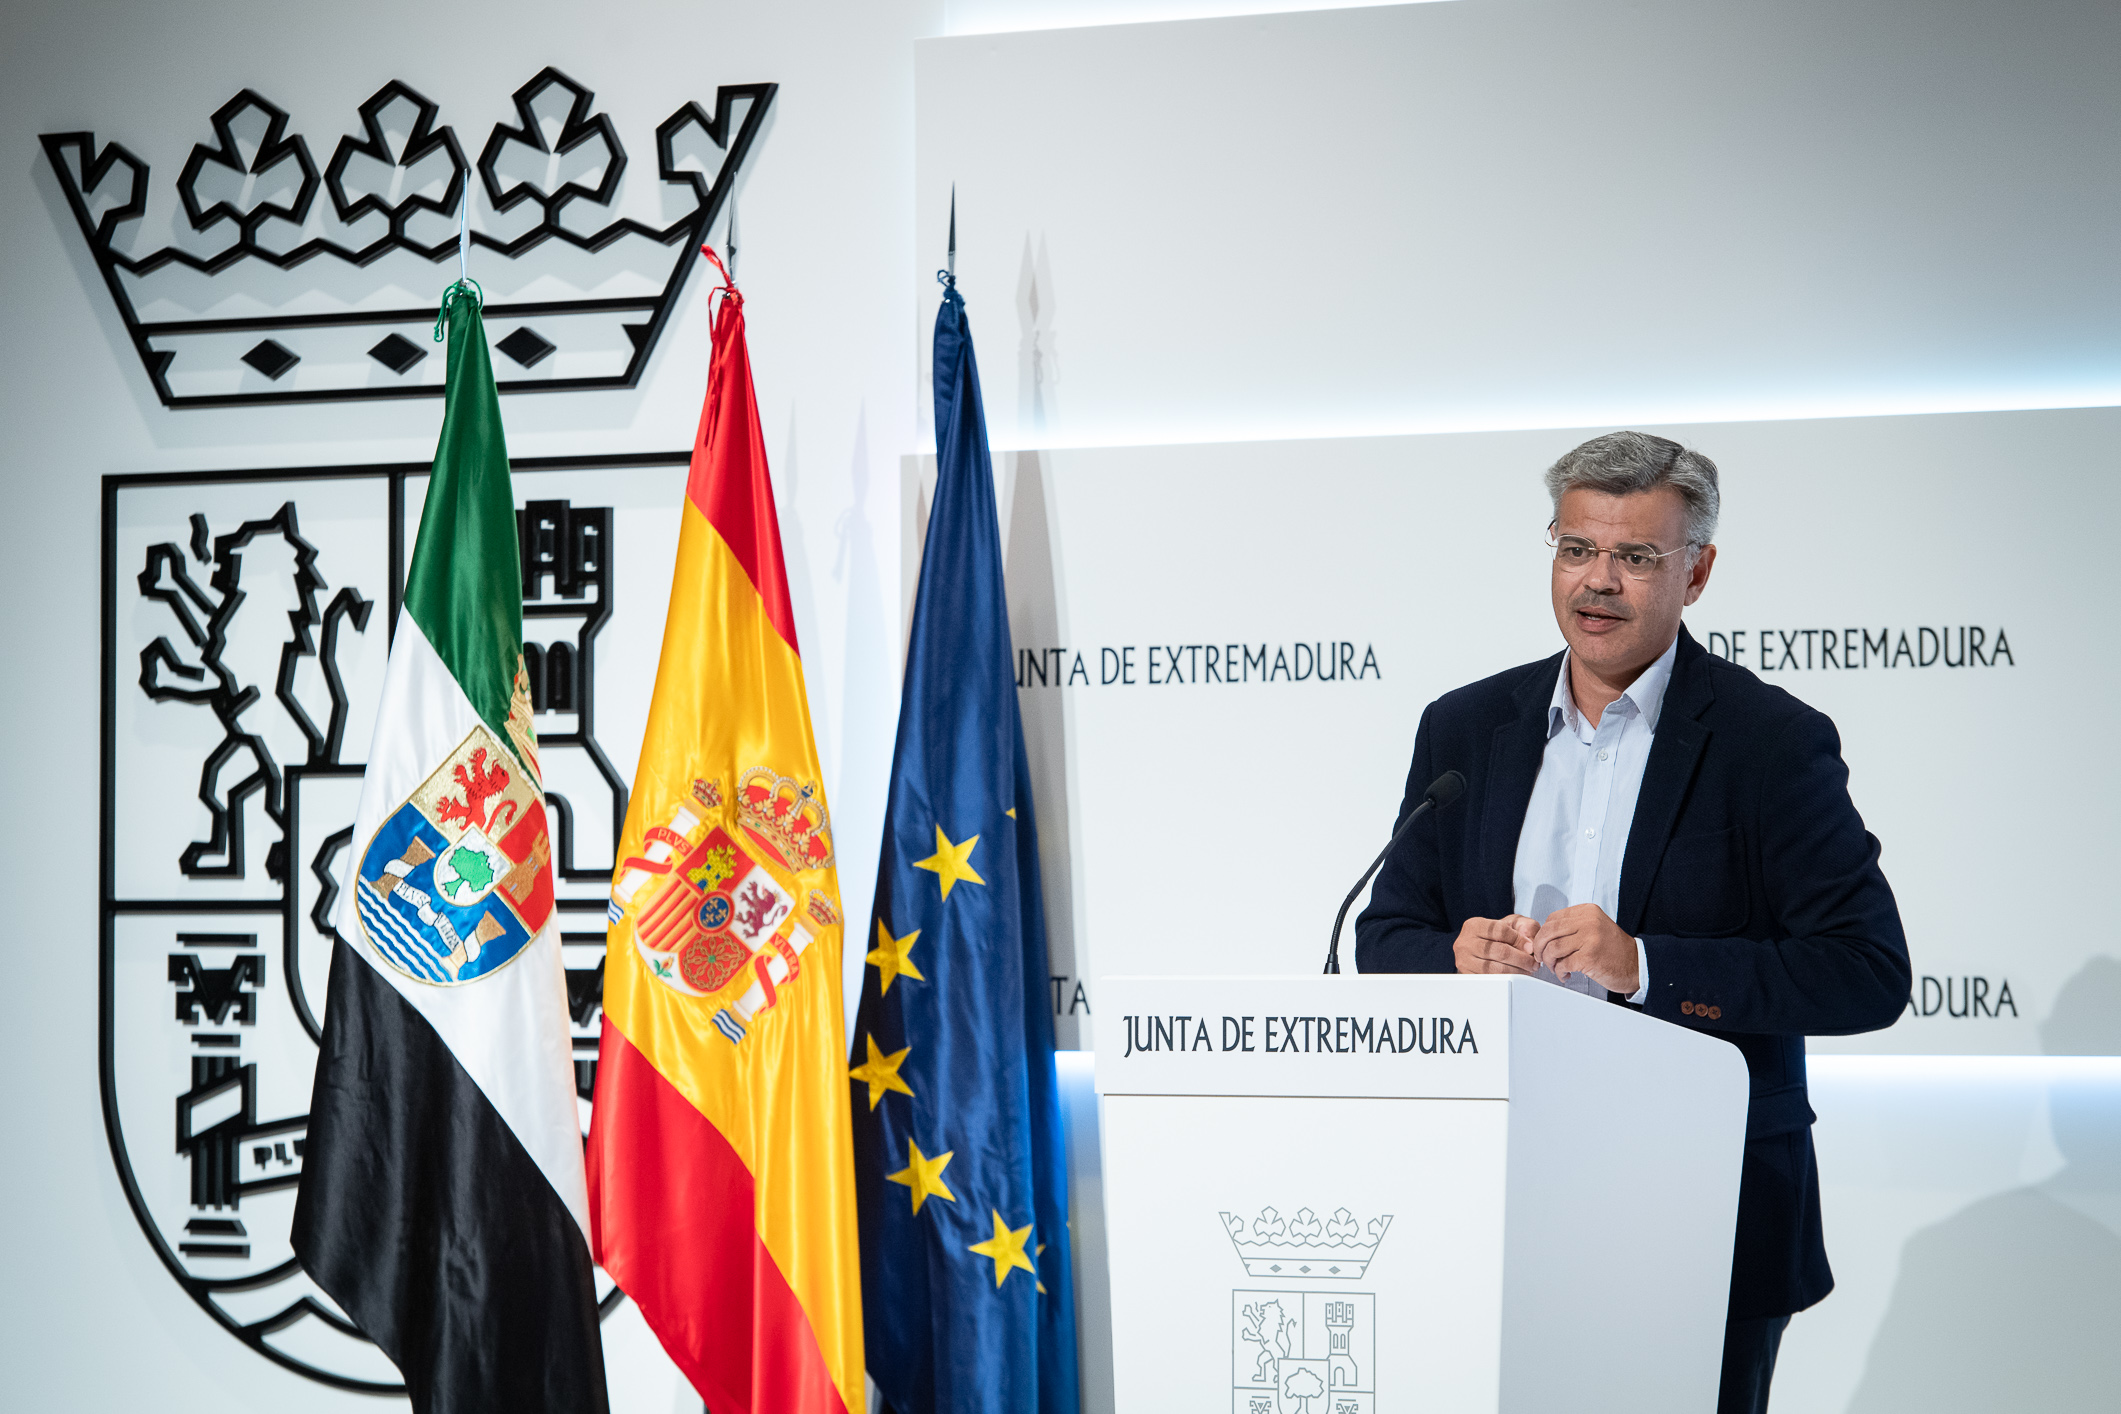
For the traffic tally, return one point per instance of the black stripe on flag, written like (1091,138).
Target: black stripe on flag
(423,1215)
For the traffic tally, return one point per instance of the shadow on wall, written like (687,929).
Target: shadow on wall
(1037,623)
(1037,358)
(869,677)
(2015,1303)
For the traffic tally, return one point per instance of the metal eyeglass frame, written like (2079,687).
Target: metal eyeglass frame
(1658,557)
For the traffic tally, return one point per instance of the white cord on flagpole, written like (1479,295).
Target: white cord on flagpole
(464,280)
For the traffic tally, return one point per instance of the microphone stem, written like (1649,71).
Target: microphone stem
(1333,948)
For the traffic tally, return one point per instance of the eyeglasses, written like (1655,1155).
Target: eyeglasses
(1574,554)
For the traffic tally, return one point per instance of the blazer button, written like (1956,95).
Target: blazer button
(1715,1013)
(1686,1008)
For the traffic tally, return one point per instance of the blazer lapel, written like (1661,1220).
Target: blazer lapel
(1675,752)
(1513,769)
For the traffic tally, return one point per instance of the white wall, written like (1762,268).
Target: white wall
(1973,1218)
(89,1319)
(1530,213)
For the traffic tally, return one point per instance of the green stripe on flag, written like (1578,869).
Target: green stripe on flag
(465,587)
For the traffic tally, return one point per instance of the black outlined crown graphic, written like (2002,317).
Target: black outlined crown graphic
(266,294)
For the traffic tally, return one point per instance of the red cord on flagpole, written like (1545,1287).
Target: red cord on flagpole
(727,289)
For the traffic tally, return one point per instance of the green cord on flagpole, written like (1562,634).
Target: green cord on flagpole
(466,288)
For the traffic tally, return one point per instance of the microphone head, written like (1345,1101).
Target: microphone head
(1445,789)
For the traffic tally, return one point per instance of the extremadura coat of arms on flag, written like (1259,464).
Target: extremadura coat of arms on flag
(454,884)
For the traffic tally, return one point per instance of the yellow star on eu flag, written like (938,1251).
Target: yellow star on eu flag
(1006,1247)
(924,1176)
(890,957)
(950,862)
(880,1072)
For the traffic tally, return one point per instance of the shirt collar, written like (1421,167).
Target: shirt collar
(1645,695)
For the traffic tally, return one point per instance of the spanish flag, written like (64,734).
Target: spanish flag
(721,1184)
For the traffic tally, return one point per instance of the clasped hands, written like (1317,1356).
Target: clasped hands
(1572,940)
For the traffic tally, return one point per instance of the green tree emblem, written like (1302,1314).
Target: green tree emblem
(473,870)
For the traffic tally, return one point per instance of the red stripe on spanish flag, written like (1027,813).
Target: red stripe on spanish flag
(721,1183)
(739,505)
(676,1221)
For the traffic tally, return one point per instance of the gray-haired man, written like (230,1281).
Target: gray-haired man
(1654,825)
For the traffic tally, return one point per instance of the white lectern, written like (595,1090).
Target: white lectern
(1373,1194)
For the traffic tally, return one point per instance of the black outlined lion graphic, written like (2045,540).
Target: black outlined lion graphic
(225,643)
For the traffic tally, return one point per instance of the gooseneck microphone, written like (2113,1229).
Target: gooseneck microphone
(1441,792)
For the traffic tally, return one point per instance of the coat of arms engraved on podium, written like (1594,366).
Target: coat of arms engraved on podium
(1303,1352)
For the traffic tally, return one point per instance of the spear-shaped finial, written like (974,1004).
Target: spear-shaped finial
(731,242)
(947,276)
(464,231)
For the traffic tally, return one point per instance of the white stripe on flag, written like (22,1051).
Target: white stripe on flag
(509,1029)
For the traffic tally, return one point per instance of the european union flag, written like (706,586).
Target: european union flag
(967,1299)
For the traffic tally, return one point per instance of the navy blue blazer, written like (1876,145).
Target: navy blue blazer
(1748,876)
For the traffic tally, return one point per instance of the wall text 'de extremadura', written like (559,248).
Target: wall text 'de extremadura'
(1277,1035)
(1193,664)
(1777,650)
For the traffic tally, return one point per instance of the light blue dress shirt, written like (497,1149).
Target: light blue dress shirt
(1576,828)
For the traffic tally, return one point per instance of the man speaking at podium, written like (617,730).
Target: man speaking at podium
(1649,823)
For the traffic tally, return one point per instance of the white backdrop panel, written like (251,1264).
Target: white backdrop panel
(1190,824)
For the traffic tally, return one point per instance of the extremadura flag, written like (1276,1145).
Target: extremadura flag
(443,1203)
(966,1284)
(720,1178)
